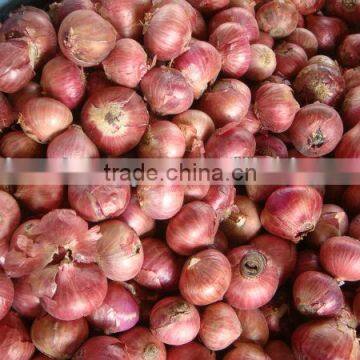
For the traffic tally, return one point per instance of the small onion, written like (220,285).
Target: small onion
(220,326)
(221,242)
(262,64)
(221,198)
(351,199)
(354,229)
(278,350)
(268,145)
(86,38)
(307,260)
(306,39)
(265,39)
(231,40)
(250,122)
(7,116)
(307,7)
(6,294)
(352,77)
(167,91)
(260,193)
(245,351)
(15,144)
(190,351)
(58,339)
(30,91)
(209,5)
(96,82)
(351,107)
(174,321)
(349,144)
(205,277)
(347,10)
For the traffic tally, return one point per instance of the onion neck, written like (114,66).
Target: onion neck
(151,352)
(253,264)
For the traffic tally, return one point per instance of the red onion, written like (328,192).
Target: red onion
(221,198)
(339,256)
(325,61)
(190,351)
(278,350)
(17,58)
(275,107)
(351,199)
(166,91)
(292,212)
(354,230)
(254,327)
(141,344)
(15,342)
(307,260)
(161,268)
(237,15)
(351,107)
(316,130)
(86,38)
(245,4)
(307,7)
(205,277)
(260,193)
(6,294)
(58,339)
(119,251)
(64,81)
(40,198)
(306,39)
(102,347)
(325,340)
(192,228)
(349,144)
(200,65)
(30,91)
(160,202)
(115,119)
(227,101)
(7,116)
(167,32)
(349,51)
(262,64)
(15,144)
(231,141)
(72,143)
(221,242)
(268,145)
(352,77)
(245,351)
(209,5)
(250,122)
(220,326)
(347,10)
(174,321)
(254,278)
(99,202)
(301,21)
(278,18)
(59,11)
(34,24)
(265,39)
(126,64)
(231,40)
(96,82)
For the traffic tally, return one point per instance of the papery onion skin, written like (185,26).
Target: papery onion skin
(278,350)
(141,344)
(265,39)
(119,311)
(174,321)
(64,81)
(316,131)
(86,38)
(209,5)
(190,351)
(161,267)
(262,64)
(221,198)
(221,242)
(339,256)
(354,229)
(351,107)
(119,251)
(349,11)
(205,277)
(126,64)
(7,115)
(275,107)
(351,199)
(15,144)
(349,51)
(352,78)
(306,7)
(192,228)
(254,278)
(97,81)
(231,40)
(6,294)
(115,119)
(307,260)
(260,193)
(44,118)
(58,339)
(167,33)
(269,145)
(306,39)
(220,326)
(278,18)
(19,99)
(167,91)
(349,144)
(250,122)
(245,351)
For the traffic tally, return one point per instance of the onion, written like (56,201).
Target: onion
(347,10)
(275,107)
(59,11)
(119,251)
(17,58)
(268,145)
(40,198)
(126,64)
(200,65)
(351,107)
(205,277)
(96,82)
(237,15)
(250,122)
(190,351)
(141,344)
(231,141)
(167,32)
(262,64)
(246,351)
(352,77)
(260,193)
(351,199)
(231,40)
(192,228)
(30,91)
(7,116)
(305,203)
(34,24)
(174,321)
(349,144)
(119,311)
(307,260)
(254,327)
(15,144)
(227,101)
(166,91)
(115,119)
(265,39)
(160,202)
(15,342)
(209,5)
(278,18)
(58,339)
(354,229)
(245,4)
(86,38)
(278,350)
(221,242)
(339,256)
(64,81)
(306,39)
(221,198)
(6,294)
(307,7)
(220,326)
(161,268)
(254,278)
